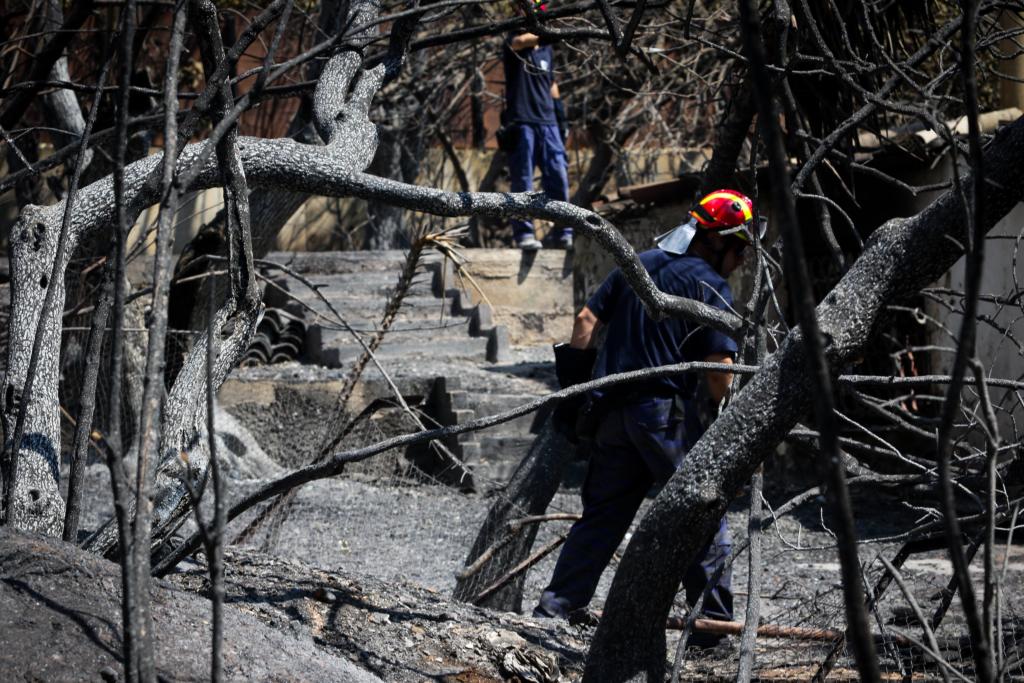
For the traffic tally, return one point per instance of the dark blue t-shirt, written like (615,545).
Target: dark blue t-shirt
(635,341)
(528,78)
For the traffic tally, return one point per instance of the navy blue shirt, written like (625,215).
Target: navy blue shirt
(635,341)
(528,77)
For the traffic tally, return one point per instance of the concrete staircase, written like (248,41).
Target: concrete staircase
(493,453)
(448,349)
(431,321)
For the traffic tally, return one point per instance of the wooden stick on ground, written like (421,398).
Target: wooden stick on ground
(735,628)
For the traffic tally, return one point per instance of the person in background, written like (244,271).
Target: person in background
(530,122)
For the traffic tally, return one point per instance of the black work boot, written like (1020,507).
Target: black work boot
(551,607)
(704,641)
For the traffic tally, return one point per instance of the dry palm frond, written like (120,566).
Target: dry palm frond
(447,243)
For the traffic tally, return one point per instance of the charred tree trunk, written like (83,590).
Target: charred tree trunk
(606,144)
(270,210)
(402,138)
(341,114)
(60,106)
(397,157)
(39,506)
(902,256)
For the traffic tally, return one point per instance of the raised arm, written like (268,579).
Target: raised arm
(524,41)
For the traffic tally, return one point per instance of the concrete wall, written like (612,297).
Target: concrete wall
(1011,90)
(1003,272)
(639,225)
(1001,335)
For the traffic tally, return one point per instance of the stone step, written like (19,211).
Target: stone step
(359,309)
(434,340)
(336,349)
(485,404)
(372,309)
(361,286)
(339,357)
(403,325)
(332,262)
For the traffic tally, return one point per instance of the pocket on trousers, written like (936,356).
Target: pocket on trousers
(658,434)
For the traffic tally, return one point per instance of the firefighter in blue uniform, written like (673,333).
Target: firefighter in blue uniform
(644,431)
(533,121)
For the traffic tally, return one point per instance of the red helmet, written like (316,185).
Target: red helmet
(727,212)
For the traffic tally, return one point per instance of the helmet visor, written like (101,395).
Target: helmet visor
(677,240)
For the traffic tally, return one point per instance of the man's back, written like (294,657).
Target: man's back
(635,341)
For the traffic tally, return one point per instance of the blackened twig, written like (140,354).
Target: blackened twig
(949,592)
(692,618)
(929,632)
(115,451)
(512,529)
(975,248)
(634,21)
(87,405)
(153,391)
(518,569)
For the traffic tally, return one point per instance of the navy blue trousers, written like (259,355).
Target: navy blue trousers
(538,145)
(636,446)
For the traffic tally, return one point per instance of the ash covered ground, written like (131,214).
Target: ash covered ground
(381,526)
